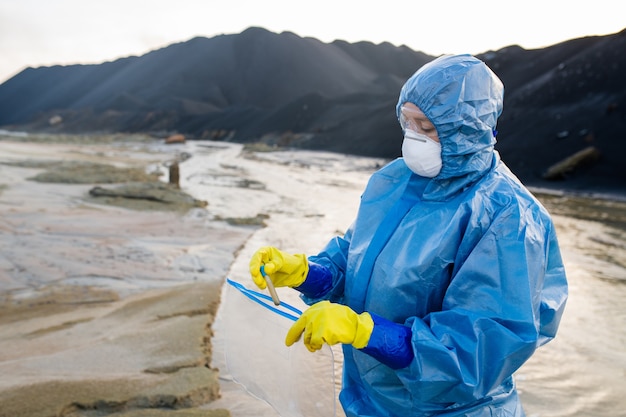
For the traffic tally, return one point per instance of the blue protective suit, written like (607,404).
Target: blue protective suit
(468,260)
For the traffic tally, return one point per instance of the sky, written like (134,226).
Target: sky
(36,33)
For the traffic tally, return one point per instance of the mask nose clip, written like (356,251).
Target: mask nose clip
(414,135)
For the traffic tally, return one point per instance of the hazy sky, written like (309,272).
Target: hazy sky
(47,32)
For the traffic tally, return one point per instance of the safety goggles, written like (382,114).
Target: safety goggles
(415,120)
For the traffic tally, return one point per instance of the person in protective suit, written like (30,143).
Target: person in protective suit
(450,276)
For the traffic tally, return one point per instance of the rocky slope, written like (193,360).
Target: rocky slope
(286,90)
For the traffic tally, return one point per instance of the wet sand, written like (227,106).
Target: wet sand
(106,306)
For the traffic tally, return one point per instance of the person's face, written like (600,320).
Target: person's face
(412,118)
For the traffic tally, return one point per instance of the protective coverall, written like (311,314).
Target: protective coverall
(467,260)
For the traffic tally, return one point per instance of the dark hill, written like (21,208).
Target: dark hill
(563,99)
(339,96)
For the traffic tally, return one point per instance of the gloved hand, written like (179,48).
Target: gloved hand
(331,323)
(285,270)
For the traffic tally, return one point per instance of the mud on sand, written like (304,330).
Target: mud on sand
(106,303)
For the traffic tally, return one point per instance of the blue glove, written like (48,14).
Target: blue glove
(318,281)
(390,343)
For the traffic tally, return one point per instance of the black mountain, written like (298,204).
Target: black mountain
(292,91)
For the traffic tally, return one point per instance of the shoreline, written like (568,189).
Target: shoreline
(105,308)
(614,195)
(561,188)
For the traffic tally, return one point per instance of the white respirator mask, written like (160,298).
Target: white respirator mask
(421,154)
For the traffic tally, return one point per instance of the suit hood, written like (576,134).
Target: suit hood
(463,98)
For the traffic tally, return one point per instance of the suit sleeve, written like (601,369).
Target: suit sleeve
(504,300)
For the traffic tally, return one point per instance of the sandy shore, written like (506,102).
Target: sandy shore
(105,309)
(107,305)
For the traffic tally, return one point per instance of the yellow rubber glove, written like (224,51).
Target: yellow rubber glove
(331,323)
(284,269)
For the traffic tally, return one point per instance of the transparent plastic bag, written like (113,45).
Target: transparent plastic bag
(294,381)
